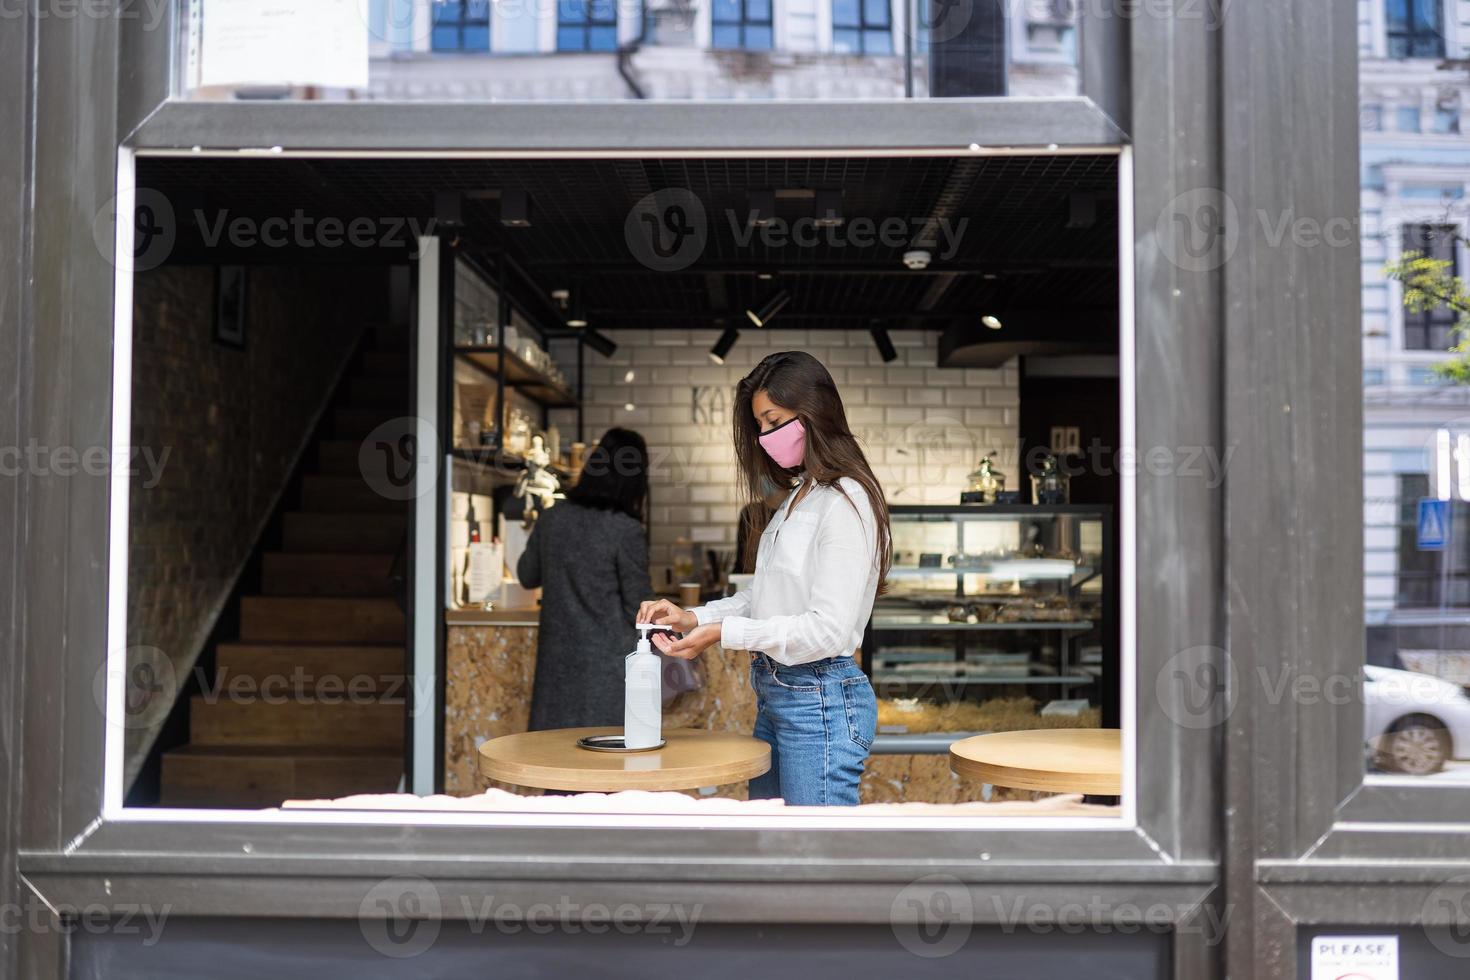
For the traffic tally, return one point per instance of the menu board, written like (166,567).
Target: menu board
(283,42)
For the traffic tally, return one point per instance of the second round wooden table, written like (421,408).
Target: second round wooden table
(691,759)
(1052,760)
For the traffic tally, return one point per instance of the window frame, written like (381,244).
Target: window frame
(1429,322)
(460,24)
(743,23)
(586,25)
(1412,34)
(863,28)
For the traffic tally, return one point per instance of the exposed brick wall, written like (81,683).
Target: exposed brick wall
(232,423)
(923,427)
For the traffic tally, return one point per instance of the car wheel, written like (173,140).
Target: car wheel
(1416,745)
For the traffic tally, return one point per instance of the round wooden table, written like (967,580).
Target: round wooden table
(1052,760)
(691,759)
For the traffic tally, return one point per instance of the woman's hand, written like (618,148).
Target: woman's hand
(694,643)
(662,612)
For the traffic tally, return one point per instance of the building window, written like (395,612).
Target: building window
(1414,29)
(742,24)
(586,25)
(1372,376)
(461,25)
(1429,579)
(1407,119)
(1430,329)
(862,27)
(1447,121)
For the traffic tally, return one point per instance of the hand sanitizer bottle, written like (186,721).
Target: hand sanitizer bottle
(643,695)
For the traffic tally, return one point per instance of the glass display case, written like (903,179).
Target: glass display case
(996,616)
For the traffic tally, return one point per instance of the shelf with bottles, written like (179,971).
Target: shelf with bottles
(544,386)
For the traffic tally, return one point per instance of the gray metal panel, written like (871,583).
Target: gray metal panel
(646,127)
(69,405)
(15,79)
(1406,804)
(1103,62)
(774,899)
(146,32)
(1293,412)
(1180,548)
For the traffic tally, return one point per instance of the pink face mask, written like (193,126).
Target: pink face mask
(786,443)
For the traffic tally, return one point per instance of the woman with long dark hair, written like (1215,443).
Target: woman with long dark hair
(819,561)
(589,556)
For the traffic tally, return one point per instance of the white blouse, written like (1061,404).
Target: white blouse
(816,574)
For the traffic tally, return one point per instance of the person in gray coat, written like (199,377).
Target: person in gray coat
(589,556)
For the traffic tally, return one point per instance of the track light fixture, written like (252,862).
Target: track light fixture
(600,343)
(722,346)
(885,345)
(763,314)
(515,208)
(992,321)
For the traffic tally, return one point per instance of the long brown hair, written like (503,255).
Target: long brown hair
(799,383)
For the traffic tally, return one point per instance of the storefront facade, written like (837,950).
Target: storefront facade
(1250,809)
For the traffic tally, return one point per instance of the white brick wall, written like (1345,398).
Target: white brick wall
(923,428)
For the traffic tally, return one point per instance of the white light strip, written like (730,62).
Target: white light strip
(846,820)
(772,154)
(1128,489)
(428,608)
(428,604)
(1442,464)
(116,654)
(1462,467)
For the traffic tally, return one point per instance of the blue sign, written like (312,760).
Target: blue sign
(1434,524)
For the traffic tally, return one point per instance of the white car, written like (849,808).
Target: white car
(1414,723)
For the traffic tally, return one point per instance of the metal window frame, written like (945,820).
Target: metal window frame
(1223,351)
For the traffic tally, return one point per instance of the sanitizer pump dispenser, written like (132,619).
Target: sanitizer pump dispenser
(642,700)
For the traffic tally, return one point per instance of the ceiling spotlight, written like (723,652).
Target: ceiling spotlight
(629,406)
(722,346)
(628,378)
(885,345)
(762,208)
(515,208)
(763,314)
(992,321)
(829,209)
(600,343)
(576,315)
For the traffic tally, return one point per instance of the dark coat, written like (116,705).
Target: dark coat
(592,567)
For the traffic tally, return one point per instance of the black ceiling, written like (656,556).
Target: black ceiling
(1015,249)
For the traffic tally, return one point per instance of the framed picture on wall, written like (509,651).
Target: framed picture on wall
(231,296)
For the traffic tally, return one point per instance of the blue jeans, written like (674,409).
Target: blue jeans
(819,719)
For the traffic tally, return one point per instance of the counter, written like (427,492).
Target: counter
(490,666)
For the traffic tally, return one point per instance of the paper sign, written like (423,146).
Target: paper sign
(284,42)
(1355,958)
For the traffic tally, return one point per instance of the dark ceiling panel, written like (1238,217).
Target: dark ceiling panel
(1006,241)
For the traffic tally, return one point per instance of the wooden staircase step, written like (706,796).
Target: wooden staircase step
(344,495)
(340,457)
(304,573)
(392,364)
(324,669)
(244,717)
(382,533)
(264,776)
(378,394)
(357,423)
(321,619)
